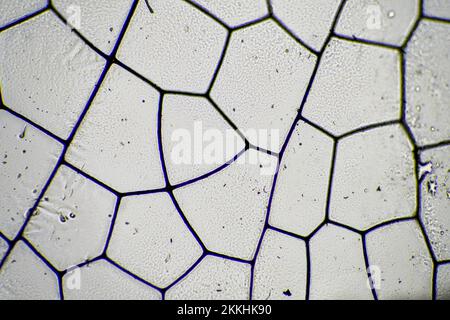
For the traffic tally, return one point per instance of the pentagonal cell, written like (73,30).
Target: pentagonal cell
(101,280)
(228,209)
(437,8)
(374,178)
(196,139)
(427,83)
(214,279)
(56,75)
(119,135)
(175,45)
(299,200)
(12,10)
(443,282)
(27,158)
(26,277)
(399,252)
(338,269)
(383,21)
(280,269)
(262,81)
(309,20)
(356,85)
(83,15)
(435,200)
(3,248)
(71,222)
(151,240)
(235,12)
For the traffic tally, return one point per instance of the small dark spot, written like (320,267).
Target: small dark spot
(287,293)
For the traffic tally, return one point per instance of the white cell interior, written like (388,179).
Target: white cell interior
(235,12)
(356,85)
(300,197)
(101,280)
(13,10)
(52,93)
(214,279)
(3,248)
(119,135)
(71,222)
(437,8)
(427,83)
(27,158)
(400,255)
(151,240)
(176,46)
(443,282)
(262,81)
(384,21)
(25,277)
(309,20)
(373,184)
(280,269)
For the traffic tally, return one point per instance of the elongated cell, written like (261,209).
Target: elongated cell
(374,178)
(309,20)
(428,83)
(3,248)
(83,15)
(195,138)
(119,135)
(151,240)
(27,158)
(261,83)
(175,45)
(71,222)
(338,270)
(404,267)
(214,279)
(443,282)
(26,277)
(228,209)
(385,21)
(435,200)
(101,280)
(356,85)
(13,10)
(299,200)
(280,268)
(57,73)
(235,12)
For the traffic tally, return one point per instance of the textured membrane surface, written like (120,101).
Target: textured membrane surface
(224,149)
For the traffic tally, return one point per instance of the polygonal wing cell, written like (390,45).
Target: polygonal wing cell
(338,269)
(356,85)
(57,73)
(28,157)
(261,83)
(175,45)
(214,279)
(228,208)
(437,8)
(13,10)
(235,13)
(151,240)
(26,277)
(119,135)
(280,268)
(384,21)
(374,178)
(309,20)
(300,196)
(195,138)
(83,15)
(443,282)
(428,83)
(435,200)
(101,280)
(400,261)
(72,220)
